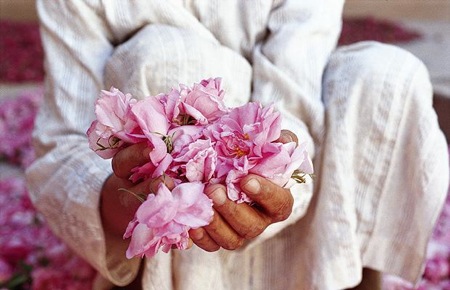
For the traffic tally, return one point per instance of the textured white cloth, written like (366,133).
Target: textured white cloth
(380,158)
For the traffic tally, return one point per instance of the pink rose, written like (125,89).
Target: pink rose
(205,101)
(244,141)
(182,136)
(113,110)
(171,103)
(243,132)
(164,219)
(197,161)
(243,138)
(149,114)
(199,105)
(175,141)
(115,125)
(279,164)
(437,268)
(106,146)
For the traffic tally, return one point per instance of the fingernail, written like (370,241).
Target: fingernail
(218,196)
(286,138)
(197,234)
(252,186)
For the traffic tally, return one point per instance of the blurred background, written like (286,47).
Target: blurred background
(419,26)
(392,9)
(431,20)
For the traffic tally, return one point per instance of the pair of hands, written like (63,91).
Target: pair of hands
(232,223)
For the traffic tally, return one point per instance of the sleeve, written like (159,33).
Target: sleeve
(287,70)
(66,179)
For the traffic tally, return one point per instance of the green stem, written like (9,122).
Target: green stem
(141,197)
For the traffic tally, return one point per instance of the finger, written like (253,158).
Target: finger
(151,185)
(201,238)
(276,201)
(113,192)
(287,136)
(189,245)
(245,220)
(223,234)
(128,158)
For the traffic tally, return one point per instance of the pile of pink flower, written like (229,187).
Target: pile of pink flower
(382,30)
(31,256)
(196,140)
(16,125)
(22,55)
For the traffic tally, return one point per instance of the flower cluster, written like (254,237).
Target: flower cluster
(22,57)
(31,256)
(196,140)
(16,124)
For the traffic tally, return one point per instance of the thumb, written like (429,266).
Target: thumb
(287,136)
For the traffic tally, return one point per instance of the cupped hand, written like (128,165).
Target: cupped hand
(235,223)
(232,223)
(118,205)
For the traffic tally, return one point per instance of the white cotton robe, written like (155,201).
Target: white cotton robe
(366,110)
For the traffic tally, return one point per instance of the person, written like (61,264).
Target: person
(380,158)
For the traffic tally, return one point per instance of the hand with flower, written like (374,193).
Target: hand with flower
(234,223)
(199,170)
(231,224)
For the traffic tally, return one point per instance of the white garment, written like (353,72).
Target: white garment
(380,158)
